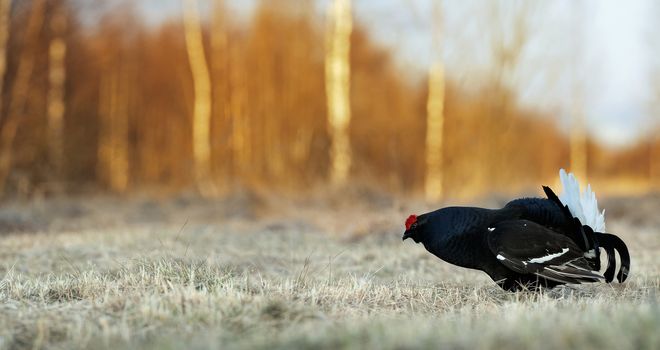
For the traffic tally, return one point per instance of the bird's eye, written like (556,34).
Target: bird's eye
(413,226)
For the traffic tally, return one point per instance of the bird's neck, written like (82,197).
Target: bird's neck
(465,250)
(467,245)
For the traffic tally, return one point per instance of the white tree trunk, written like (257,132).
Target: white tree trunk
(202,105)
(220,74)
(20,91)
(337,72)
(435,117)
(654,160)
(578,141)
(578,136)
(5,8)
(113,152)
(434,133)
(56,80)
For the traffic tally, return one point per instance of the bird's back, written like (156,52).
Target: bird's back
(539,210)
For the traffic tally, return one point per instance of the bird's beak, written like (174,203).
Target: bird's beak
(406,235)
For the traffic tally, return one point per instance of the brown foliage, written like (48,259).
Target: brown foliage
(269,122)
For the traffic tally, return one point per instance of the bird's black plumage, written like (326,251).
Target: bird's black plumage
(529,243)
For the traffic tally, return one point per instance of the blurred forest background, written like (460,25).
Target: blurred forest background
(297,94)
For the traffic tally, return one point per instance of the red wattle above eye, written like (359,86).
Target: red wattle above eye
(410,221)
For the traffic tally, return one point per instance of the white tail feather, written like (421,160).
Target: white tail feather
(583,205)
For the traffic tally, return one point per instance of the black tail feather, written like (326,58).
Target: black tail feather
(583,236)
(589,240)
(592,245)
(610,243)
(611,263)
(553,197)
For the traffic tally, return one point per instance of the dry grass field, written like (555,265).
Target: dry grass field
(244,272)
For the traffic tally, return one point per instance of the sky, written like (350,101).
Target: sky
(613,71)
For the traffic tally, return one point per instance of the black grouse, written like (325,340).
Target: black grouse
(530,243)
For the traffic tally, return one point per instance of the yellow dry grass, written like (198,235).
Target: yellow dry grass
(283,282)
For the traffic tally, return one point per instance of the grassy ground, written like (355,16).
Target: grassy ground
(244,273)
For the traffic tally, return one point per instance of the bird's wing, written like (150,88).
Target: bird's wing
(547,212)
(583,235)
(552,213)
(529,248)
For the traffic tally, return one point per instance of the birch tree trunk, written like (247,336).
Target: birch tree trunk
(337,72)
(5,8)
(578,140)
(238,102)
(434,133)
(578,135)
(56,79)
(202,104)
(220,74)
(20,91)
(435,116)
(654,136)
(510,37)
(113,165)
(654,160)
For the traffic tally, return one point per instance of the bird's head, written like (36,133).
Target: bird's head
(439,224)
(414,228)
